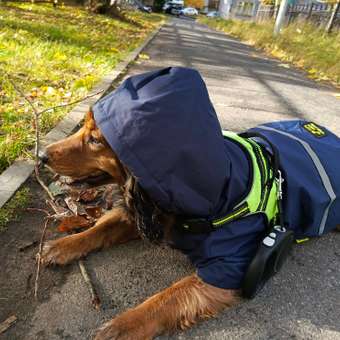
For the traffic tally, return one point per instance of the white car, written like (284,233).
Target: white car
(213,14)
(190,11)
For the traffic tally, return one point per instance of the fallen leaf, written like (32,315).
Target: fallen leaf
(336,95)
(94,211)
(144,56)
(71,205)
(284,65)
(58,209)
(56,188)
(88,195)
(74,222)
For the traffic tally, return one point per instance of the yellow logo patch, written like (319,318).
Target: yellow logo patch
(314,129)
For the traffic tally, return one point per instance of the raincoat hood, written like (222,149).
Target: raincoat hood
(163,127)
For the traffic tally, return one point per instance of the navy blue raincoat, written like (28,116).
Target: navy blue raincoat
(164,128)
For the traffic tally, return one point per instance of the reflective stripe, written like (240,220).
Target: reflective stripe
(321,170)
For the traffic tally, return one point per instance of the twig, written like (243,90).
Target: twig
(71,103)
(36,123)
(43,185)
(7,323)
(39,210)
(36,283)
(94,296)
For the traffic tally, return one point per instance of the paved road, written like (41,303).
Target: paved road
(303,301)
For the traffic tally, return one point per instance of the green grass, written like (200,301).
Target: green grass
(10,211)
(303,45)
(55,56)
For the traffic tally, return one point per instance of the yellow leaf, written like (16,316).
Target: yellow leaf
(144,56)
(59,56)
(312,71)
(284,65)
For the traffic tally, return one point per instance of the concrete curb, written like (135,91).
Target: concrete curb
(17,173)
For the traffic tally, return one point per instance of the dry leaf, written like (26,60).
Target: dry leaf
(144,56)
(74,222)
(59,210)
(88,195)
(72,205)
(284,65)
(94,211)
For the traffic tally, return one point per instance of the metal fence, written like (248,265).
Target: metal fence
(318,14)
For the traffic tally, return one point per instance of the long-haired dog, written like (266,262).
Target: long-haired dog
(91,152)
(85,154)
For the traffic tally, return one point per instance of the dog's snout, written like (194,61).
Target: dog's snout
(43,157)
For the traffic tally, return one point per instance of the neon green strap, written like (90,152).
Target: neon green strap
(262,197)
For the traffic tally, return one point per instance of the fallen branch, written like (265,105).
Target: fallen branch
(7,323)
(94,296)
(42,239)
(36,114)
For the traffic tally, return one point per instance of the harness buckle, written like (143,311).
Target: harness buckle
(194,225)
(279,182)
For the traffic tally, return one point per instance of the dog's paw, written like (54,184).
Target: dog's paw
(57,252)
(123,328)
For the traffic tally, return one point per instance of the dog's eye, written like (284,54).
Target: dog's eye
(93,140)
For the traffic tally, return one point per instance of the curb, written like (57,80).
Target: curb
(17,173)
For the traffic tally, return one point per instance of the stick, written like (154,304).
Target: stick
(94,296)
(36,123)
(41,182)
(71,103)
(7,323)
(36,283)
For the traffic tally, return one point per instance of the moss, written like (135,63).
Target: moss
(10,211)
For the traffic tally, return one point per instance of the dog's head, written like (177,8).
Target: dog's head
(84,154)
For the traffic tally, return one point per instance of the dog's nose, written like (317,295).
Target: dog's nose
(43,157)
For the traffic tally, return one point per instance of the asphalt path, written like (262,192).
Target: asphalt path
(301,302)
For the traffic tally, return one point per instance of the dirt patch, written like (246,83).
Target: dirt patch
(18,246)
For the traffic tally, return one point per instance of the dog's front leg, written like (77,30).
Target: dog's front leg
(112,228)
(177,307)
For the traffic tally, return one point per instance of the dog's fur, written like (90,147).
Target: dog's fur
(85,154)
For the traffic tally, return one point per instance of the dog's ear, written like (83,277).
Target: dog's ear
(144,209)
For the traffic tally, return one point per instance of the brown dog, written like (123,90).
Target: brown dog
(85,154)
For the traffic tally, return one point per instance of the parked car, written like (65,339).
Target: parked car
(173,7)
(189,11)
(213,14)
(146,9)
(176,10)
